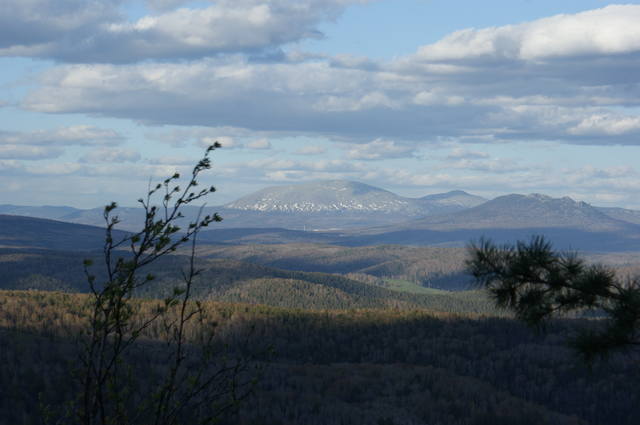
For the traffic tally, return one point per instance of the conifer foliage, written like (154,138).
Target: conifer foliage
(536,283)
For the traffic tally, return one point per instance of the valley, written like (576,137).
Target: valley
(376,322)
(319,212)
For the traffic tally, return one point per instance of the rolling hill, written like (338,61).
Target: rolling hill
(29,232)
(234,281)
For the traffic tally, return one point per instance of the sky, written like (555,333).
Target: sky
(100,97)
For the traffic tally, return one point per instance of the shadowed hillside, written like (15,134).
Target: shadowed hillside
(28,232)
(335,367)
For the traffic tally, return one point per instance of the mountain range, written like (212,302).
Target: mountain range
(567,223)
(355,214)
(517,211)
(347,196)
(323,205)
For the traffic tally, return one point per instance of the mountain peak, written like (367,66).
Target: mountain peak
(528,211)
(345,196)
(455,198)
(540,197)
(322,196)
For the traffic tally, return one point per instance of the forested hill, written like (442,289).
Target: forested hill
(231,280)
(435,267)
(343,367)
(29,232)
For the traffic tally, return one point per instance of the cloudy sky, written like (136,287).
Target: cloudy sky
(415,96)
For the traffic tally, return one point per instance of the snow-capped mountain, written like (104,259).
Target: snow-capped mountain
(331,204)
(326,196)
(336,204)
(348,196)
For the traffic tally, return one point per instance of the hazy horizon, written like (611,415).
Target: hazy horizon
(240,196)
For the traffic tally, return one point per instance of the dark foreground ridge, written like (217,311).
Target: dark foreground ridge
(336,367)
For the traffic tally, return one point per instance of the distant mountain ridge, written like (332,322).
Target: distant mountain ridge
(324,196)
(352,213)
(323,205)
(521,211)
(348,196)
(455,198)
(568,224)
(631,216)
(336,205)
(44,211)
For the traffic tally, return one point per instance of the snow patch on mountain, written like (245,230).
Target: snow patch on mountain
(340,196)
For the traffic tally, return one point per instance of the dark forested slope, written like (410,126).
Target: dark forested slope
(356,367)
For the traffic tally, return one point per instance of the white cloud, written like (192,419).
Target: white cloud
(380,149)
(111,155)
(493,166)
(461,153)
(315,98)
(8,151)
(95,31)
(165,4)
(606,124)
(334,165)
(199,135)
(506,90)
(285,175)
(36,25)
(342,103)
(273,164)
(297,176)
(140,172)
(11,167)
(259,144)
(276,97)
(323,165)
(607,31)
(54,169)
(432,97)
(311,150)
(63,136)
(590,172)
(172,160)
(227,142)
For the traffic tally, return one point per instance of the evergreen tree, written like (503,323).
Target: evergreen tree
(536,283)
